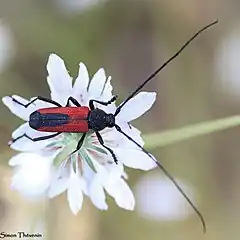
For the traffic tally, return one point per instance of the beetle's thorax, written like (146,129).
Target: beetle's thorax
(98,120)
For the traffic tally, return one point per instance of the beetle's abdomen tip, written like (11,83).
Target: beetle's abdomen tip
(35,120)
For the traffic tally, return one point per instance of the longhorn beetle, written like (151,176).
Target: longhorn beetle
(82,119)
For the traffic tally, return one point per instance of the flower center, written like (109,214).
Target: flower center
(89,152)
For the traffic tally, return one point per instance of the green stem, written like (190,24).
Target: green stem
(176,135)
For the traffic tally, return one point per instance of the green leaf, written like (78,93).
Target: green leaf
(64,153)
(88,159)
(97,149)
(176,135)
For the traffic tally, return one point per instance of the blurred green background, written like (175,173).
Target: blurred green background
(130,39)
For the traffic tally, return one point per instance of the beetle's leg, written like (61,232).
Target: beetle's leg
(91,105)
(74,101)
(109,149)
(80,143)
(35,99)
(35,139)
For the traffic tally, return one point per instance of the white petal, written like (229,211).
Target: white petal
(137,106)
(81,85)
(97,193)
(88,173)
(135,159)
(74,192)
(20,130)
(121,192)
(41,104)
(57,187)
(31,108)
(16,108)
(111,137)
(106,95)
(111,108)
(59,81)
(134,133)
(97,84)
(19,159)
(34,133)
(59,181)
(33,174)
(107,92)
(115,171)
(25,144)
(20,99)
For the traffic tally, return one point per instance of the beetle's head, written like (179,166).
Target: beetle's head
(110,120)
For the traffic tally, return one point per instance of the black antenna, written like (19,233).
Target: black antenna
(163,66)
(169,176)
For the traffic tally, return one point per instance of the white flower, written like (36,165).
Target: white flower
(158,199)
(91,170)
(75,6)
(227,56)
(7,46)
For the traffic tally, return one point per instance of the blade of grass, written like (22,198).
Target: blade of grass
(180,134)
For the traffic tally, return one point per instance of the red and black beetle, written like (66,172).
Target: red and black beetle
(81,119)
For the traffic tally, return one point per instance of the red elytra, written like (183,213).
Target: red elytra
(75,122)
